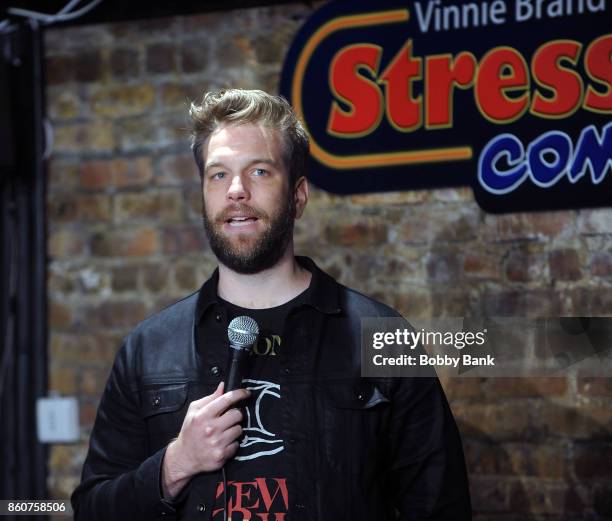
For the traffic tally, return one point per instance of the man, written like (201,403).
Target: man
(307,438)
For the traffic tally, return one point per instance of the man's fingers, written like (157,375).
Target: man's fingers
(232,434)
(230,418)
(221,403)
(202,402)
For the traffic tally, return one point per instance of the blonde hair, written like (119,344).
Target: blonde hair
(239,107)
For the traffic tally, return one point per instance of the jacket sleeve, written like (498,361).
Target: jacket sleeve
(120,480)
(428,478)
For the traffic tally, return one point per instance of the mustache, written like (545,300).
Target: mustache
(243,209)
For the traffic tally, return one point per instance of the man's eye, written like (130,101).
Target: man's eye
(260,171)
(218,175)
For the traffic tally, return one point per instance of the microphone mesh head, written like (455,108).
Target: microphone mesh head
(243,331)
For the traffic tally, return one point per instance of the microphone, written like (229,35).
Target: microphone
(242,333)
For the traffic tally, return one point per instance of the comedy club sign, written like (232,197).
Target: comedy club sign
(512,98)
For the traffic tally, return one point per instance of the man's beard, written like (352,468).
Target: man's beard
(265,250)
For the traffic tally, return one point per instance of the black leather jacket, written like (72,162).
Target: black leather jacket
(359,449)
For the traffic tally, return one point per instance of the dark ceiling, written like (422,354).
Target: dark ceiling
(120,10)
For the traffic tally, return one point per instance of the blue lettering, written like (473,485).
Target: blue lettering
(594,153)
(546,173)
(549,157)
(490,176)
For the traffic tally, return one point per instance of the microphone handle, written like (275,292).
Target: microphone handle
(235,368)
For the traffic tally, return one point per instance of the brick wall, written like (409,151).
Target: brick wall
(125,239)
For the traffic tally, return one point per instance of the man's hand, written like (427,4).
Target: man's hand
(208,438)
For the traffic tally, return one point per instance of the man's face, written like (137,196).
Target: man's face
(248,207)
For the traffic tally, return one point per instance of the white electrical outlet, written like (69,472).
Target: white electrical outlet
(57,419)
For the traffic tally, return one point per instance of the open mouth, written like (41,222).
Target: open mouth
(240,221)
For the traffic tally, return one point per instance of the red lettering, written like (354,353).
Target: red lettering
(565,84)
(441,76)
(597,62)
(403,109)
(502,70)
(268,499)
(360,93)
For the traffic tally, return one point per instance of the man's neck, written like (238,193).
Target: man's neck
(266,289)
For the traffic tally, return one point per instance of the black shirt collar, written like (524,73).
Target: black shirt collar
(322,294)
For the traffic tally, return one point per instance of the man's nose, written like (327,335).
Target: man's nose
(237,190)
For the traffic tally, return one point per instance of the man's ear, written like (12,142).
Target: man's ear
(300,195)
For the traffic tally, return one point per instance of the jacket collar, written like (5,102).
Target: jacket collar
(322,294)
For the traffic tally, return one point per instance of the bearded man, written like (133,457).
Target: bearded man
(306,438)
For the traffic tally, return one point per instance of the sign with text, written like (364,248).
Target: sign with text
(512,98)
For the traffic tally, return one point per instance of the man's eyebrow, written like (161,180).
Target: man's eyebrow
(215,164)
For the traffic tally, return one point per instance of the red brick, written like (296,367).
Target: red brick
(528,225)
(591,301)
(96,174)
(524,497)
(506,421)
(179,170)
(65,244)
(178,96)
(155,277)
(87,208)
(184,239)
(528,263)
(124,63)
(525,387)
(96,349)
(424,224)
(88,66)
(63,175)
(601,264)
(595,386)
(93,381)
(194,55)
(60,315)
(87,414)
(133,172)
(154,206)
(462,388)
(232,52)
(532,303)
(138,132)
(481,266)
(125,278)
(549,462)
(79,138)
(192,196)
(116,313)
(125,243)
(481,457)
(185,277)
(160,58)
(59,282)
(63,104)
(489,494)
(357,233)
(124,100)
(63,379)
(583,422)
(59,69)
(443,266)
(565,265)
(451,303)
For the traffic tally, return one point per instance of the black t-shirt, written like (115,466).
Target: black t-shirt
(257,475)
